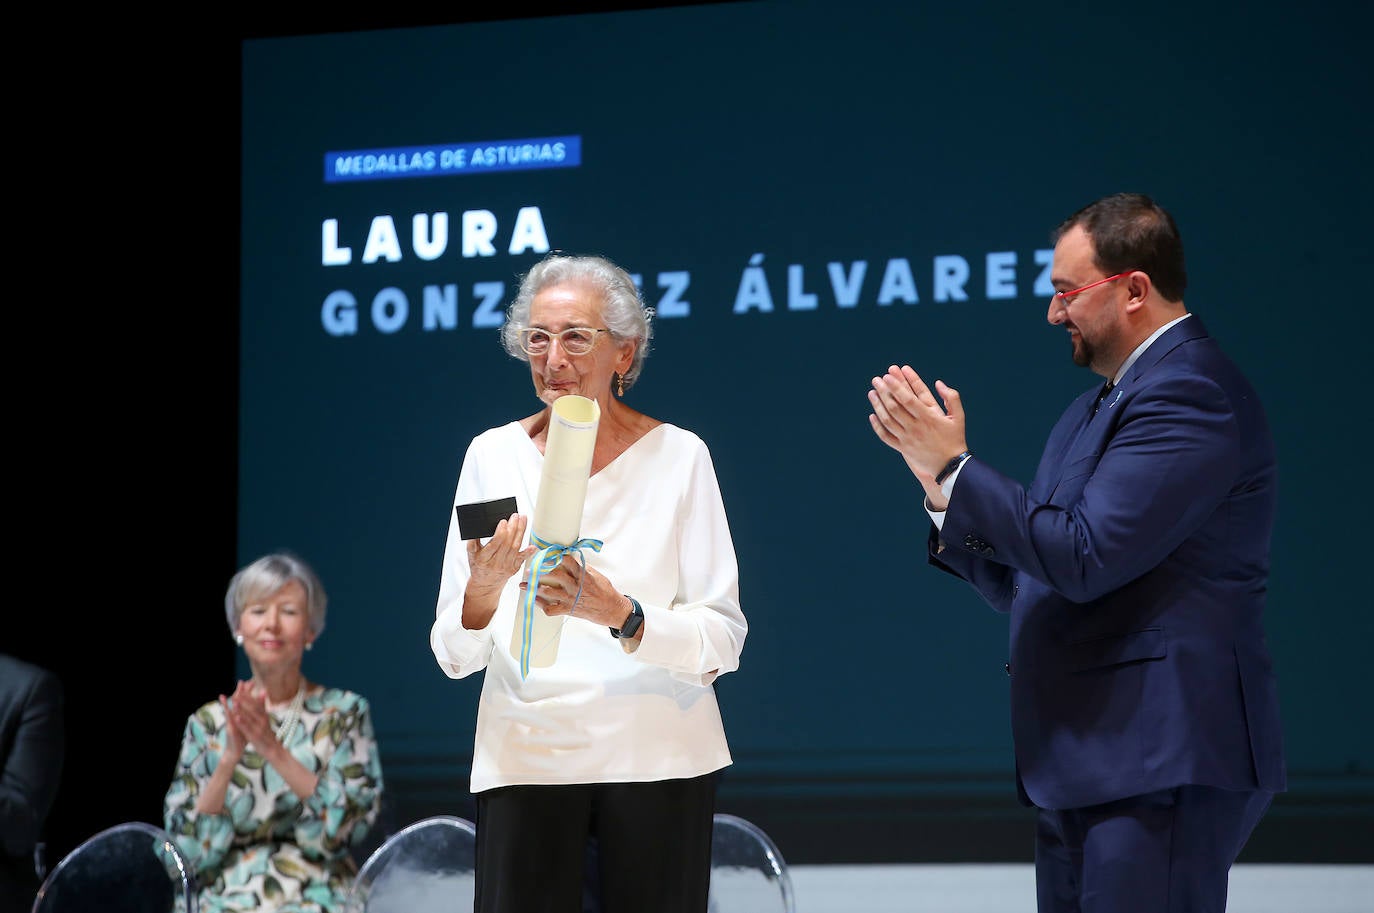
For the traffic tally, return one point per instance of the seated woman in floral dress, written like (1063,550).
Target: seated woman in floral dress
(277,782)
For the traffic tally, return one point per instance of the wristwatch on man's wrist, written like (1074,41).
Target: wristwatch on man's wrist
(631,626)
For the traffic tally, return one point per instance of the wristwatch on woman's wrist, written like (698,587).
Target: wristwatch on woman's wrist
(631,626)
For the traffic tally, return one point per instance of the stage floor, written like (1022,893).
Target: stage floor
(983,888)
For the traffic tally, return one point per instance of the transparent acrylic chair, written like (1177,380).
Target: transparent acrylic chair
(422,868)
(748,874)
(129,868)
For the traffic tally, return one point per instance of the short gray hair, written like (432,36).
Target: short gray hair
(264,577)
(622,307)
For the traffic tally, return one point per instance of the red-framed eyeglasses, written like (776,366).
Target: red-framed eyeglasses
(1064,297)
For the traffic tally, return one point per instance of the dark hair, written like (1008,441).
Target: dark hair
(1130,231)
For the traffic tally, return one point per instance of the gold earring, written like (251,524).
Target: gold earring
(620,385)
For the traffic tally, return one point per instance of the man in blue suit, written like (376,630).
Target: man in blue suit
(1144,708)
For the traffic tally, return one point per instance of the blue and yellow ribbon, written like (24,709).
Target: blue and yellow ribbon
(547,558)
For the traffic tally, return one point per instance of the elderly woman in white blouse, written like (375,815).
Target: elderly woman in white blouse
(620,737)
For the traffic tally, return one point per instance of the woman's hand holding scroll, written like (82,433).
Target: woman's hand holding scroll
(492,565)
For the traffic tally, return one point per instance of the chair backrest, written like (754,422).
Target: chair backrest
(427,866)
(133,867)
(748,874)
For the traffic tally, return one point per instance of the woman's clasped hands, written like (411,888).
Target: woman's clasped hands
(247,719)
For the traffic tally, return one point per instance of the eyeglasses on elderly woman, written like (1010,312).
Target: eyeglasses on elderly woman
(573,340)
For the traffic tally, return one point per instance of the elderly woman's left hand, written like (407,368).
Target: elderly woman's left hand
(599,601)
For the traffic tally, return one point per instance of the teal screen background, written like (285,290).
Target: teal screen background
(757,152)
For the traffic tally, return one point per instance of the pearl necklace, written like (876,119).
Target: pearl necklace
(287,727)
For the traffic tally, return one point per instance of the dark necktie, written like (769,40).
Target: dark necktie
(1102,394)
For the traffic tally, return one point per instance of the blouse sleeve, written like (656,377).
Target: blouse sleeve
(348,793)
(700,636)
(204,838)
(459,651)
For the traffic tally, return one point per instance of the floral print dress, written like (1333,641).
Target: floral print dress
(267,850)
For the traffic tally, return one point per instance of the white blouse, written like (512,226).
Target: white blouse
(601,713)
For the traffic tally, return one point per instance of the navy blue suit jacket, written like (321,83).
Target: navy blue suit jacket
(1135,570)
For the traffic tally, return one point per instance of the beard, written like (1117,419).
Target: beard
(1083,352)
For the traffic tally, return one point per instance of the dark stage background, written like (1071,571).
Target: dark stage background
(197,397)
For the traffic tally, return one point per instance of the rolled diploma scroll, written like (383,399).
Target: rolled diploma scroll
(557,515)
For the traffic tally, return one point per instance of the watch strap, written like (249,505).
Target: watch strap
(950,467)
(632,623)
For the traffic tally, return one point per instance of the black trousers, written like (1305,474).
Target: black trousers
(652,846)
